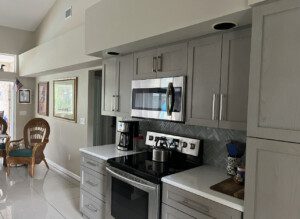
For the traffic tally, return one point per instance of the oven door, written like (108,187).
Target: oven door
(162,98)
(129,196)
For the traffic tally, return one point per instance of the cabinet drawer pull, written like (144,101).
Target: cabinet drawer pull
(91,208)
(222,97)
(90,183)
(91,163)
(213,116)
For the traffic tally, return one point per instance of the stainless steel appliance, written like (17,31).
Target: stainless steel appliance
(128,131)
(162,98)
(134,181)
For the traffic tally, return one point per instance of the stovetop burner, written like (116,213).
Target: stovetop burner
(141,165)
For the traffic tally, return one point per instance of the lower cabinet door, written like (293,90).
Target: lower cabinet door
(91,207)
(171,213)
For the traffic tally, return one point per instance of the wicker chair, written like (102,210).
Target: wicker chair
(35,137)
(3,129)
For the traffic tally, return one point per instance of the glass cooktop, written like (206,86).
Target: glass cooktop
(142,165)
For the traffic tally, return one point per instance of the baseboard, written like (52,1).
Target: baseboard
(62,170)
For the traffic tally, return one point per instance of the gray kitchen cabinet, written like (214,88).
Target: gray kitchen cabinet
(203,86)
(108,86)
(145,64)
(116,85)
(218,75)
(167,61)
(274,99)
(193,206)
(168,212)
(235,79)
(124,78)
(272,179)
(92,186)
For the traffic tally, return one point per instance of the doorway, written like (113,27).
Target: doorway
(7,106)
(104,127)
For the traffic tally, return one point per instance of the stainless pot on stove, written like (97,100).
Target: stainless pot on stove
(161,152)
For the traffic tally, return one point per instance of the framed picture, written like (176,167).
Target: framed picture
(24,96)
(43,98)
(65,99)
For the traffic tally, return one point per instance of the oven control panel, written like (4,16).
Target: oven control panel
(184,145)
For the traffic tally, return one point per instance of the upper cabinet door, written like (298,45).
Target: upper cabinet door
(274,100)
(172,60)
(145,64)
(108,86)
(124,78)
(235,79)
(204,66)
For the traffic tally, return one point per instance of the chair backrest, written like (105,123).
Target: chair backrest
(3,126)
(36,131)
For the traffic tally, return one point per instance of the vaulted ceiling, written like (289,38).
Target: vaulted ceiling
(23,14)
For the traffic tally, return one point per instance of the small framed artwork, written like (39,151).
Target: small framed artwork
(24,96)
(43,98)
(65,99)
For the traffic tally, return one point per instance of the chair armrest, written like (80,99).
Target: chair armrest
(16,141)
(7,145)
(36,146)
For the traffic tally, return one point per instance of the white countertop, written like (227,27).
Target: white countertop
(199,180)
(106,152)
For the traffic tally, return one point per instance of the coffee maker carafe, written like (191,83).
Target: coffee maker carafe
(128,131)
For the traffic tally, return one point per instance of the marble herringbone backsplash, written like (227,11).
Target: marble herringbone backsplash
(215,152)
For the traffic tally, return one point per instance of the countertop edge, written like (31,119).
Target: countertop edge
(93,154)
(205,195)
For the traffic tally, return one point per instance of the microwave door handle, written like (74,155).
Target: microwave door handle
(130,181)
(170,99)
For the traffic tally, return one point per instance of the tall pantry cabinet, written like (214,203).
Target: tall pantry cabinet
(273,143)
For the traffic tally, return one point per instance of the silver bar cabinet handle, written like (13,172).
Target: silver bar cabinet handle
(113,103)
(154,64)
(117,100)
(159,63)
(221,106)
(213,107)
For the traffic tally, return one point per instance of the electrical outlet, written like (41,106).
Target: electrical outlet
(69,157)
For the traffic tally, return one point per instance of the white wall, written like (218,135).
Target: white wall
(54,24)
(15,41)
(67,137)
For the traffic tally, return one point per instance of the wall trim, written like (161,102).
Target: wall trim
(62,170)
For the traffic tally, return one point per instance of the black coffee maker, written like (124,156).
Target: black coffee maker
(128,131)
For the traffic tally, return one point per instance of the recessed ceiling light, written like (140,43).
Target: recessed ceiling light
(113,53)
(224,26)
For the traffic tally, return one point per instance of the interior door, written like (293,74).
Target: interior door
(235,79)
(204,67)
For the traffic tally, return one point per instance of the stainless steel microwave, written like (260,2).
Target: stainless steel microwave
(162,98)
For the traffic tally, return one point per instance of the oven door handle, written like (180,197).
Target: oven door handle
(130,181)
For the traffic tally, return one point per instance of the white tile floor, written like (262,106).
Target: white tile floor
(48,195)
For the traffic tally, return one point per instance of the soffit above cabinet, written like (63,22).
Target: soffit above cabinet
(126,26)
(64,53)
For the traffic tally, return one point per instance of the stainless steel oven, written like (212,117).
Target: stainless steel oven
(129,196)
(162,98)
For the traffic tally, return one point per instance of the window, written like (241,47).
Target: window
(7,62)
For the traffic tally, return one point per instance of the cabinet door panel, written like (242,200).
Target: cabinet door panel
(235,79)
(171,213)
(204,57)
(272,179)
(108,86)
(144,65)
(274,99)
(172,60)
(124,78)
